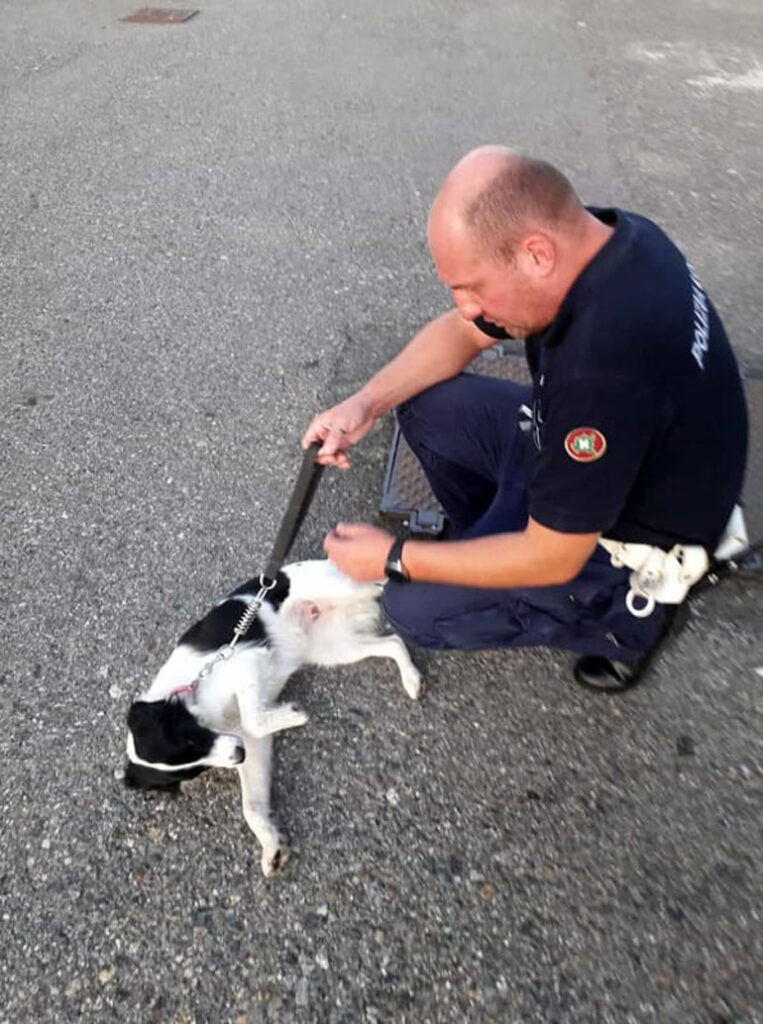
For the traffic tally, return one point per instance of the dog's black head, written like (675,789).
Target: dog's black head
(166,745)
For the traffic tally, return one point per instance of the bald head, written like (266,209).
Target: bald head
(496,196)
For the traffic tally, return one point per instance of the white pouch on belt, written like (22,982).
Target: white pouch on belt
(665,577)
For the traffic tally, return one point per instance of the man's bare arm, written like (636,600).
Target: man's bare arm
(535,557)
(439,351)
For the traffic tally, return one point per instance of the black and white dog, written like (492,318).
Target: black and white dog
(176,730)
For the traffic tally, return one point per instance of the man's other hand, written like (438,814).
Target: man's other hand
(338,429)
(358,550)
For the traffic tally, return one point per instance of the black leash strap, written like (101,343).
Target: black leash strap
(304,489)
(309,474)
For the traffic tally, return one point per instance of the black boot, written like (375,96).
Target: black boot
(599,673)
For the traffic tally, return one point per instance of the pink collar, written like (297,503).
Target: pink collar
(184,688)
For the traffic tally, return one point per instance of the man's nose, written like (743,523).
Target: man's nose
(468,310)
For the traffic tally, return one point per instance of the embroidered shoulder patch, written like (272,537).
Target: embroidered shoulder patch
(585,444)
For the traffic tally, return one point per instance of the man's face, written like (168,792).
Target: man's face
(512,294)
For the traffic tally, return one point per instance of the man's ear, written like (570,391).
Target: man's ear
(537,254)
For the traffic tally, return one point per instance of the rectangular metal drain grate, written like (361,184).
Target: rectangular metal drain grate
(406,494)
(160,16)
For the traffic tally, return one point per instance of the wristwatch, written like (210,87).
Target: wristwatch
(394,568)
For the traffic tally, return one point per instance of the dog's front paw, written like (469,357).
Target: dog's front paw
(266,722)
(413,684)
(294,716)
(274,858)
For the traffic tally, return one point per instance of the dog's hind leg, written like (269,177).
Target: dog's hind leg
(254,773)
(390,646)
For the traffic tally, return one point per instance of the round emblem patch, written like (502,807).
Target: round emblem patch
(585,444)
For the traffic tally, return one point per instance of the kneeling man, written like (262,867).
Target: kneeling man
(634,431)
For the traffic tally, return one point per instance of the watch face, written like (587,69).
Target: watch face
(394,571)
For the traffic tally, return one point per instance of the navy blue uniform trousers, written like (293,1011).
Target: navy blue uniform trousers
(465,432)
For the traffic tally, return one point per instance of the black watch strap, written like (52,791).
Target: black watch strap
(394,569)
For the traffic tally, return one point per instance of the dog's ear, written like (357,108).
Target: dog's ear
(140,711)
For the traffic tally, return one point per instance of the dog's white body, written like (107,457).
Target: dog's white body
(326,619)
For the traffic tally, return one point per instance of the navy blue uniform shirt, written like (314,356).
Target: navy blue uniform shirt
(639,417)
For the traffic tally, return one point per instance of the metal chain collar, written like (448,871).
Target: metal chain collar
(241,627)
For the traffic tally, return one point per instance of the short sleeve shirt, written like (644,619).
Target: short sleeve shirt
(639,418)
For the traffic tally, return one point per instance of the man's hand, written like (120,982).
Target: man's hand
(358,550)
(339,429)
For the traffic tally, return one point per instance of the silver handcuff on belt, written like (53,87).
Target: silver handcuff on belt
(665,577)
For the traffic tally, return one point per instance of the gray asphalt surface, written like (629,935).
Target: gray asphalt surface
(208,232)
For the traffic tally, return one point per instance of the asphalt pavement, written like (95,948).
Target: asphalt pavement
(208,232)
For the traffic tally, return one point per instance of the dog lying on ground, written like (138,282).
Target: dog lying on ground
(313,616)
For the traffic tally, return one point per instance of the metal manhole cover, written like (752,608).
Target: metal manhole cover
(406,494)
(160,16)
